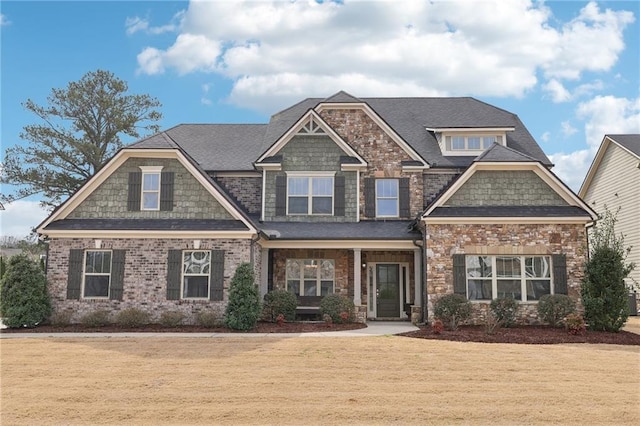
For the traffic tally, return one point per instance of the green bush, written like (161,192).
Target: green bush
(97,318)
(575,324)
(61,318)
(335,305)
(452,309)
(171,318)
(244,308)
(279,302)
(553,308)
(208,319)
(24,300)
(133,317)
(504,309)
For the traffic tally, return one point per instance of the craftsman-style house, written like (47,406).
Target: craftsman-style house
(392,202)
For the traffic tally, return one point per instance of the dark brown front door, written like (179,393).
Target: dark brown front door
(388,294)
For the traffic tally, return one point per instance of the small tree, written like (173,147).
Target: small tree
(24,300)
(604,294)
(243,309)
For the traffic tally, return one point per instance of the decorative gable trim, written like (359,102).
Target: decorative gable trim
(380,122)
(309,124)
(542,172)
(118,160)
(595,165)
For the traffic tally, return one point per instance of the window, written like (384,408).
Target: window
(150,191)
(387,198)
(196,271)
(472,142)
(518,277)
(310,195)
(97,273)
(310,277)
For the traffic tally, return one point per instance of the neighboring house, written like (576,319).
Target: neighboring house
(613,181)
(392,202)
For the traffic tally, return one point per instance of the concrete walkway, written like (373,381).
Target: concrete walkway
(374,328)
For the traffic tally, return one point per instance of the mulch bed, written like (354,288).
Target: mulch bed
(526,335)
(262,327)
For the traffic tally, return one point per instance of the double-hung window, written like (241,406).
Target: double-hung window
(310,277)
(310,195)
(97,273)
(196,272)
(150,187)
(524,278)
(387,200)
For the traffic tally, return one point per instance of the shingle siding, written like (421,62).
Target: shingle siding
(505,188)
(190,200)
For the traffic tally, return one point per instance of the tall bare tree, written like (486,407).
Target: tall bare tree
(80,130)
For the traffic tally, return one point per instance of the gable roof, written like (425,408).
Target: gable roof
(499,153)
(628,142)
(234,147)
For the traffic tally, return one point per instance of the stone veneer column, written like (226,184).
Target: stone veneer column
(264,273)
(357,285)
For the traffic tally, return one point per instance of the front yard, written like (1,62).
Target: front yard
(270,380)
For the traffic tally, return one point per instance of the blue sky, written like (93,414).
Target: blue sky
(569,69)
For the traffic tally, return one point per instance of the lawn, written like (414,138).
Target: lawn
(270,380)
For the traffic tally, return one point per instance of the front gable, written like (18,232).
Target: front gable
(113,198)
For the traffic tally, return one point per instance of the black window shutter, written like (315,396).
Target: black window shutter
(338,196)
(117,275)
(135,191)
(459,275)
(166,191)
(403,186)
(216,286)
(281,195)
(174,274)
(559,273)
(370,197)
(74,278)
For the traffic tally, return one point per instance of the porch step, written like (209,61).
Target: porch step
(392,319)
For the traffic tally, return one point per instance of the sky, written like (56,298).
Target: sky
(569,69)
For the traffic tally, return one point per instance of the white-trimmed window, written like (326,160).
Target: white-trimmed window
(523,278)
(387,198)
(150,187)
(97,274)
(310,195)
(472,142)
(310,277)
(196,274)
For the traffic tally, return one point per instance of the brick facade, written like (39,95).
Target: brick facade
(443,241)
(246,190)
(145,278)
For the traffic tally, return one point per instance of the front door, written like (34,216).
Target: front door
(388,290)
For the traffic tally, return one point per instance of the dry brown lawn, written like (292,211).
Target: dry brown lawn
(270,380)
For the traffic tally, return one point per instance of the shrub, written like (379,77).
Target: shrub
(61,318)
(280,319)
(171,318)
(437,326)
(208,319)
(553,308)
(504,309)
(24,300)
(335,305)
(452,309)
(243,309)
(327,319)
(97,318)
(575,324)
(279,302)
(492,324)
(604,294)
(133,317)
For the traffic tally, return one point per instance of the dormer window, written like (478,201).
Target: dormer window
(472,142)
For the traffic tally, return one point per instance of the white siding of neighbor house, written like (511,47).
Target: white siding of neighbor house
(616,184)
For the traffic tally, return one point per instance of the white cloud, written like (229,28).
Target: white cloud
(602,115)
(545,136)
(20,217)
(489,48)
(568,129)
(3,20)
(136,24)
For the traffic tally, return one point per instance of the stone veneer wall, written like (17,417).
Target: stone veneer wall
(190,199)
(443,241)
(383,155)
(247,190)
(434,183)
(145,280)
